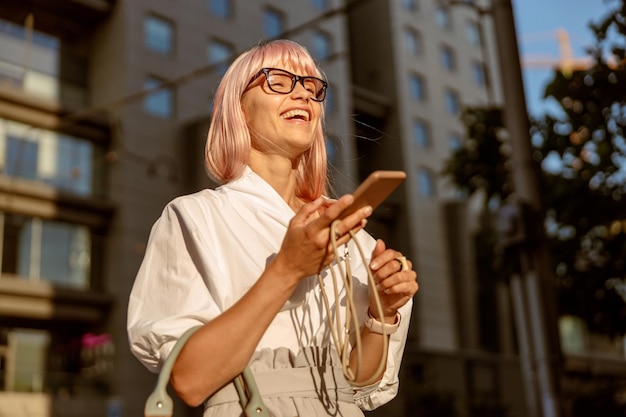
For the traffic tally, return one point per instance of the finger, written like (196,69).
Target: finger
(352,223)
(384,258)
(379,248)
(340,238)
(402,290)
(397,279)
(334,210)
(305,212)
(404,265)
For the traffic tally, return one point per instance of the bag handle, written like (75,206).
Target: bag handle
(160,404)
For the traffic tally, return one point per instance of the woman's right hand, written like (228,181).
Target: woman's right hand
(306,247)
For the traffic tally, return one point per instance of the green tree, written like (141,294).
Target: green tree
(583,154)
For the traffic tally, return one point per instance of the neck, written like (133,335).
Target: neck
(279,172)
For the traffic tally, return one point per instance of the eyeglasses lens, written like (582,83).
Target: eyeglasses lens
(283,82)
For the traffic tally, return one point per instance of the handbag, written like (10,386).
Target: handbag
(160,404)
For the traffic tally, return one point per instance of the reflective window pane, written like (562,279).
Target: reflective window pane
(62,161)
(322,47)
(321,4)
(65,255)
(332,152)
(331,99)
(160,102)
(421,134)
(417,87)
(39,249)
(455,141)
(410,4)
(29,348)
(442,17)
(426,182)
(37,69)
(158,34)
(221,8)
(33,360)
(452,102)
(273,23)
(478,74)
(219,53)
(448,60)
(413,41)
(21,158)
(472,31)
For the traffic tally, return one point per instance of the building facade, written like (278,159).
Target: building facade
(104,107)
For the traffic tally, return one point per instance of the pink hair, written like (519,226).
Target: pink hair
(228,142)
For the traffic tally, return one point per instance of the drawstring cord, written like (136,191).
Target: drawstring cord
(340,332)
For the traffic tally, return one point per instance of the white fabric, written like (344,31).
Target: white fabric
(207,249)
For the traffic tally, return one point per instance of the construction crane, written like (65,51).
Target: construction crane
(566,62)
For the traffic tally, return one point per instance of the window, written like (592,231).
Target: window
(417,87)
(455,141)
(410,4)
(39,249)
(273,23)
(472,32)
(21,158)
(158,34)
(421,134)
(40,74)
(321,45)
(219,53)
(573,335)
(221,8)
(160,102)
(443,19)
(320,4)
(331,99)
(452,102)
(413,41)
(426,182)
(478,74)
(448,60)
(29,347)
(59,160)
(33,360)
(332,151)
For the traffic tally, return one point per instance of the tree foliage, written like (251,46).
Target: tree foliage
(481,164)
(583,154)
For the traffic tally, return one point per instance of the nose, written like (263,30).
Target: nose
(299,90)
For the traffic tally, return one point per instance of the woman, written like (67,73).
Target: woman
(242,260)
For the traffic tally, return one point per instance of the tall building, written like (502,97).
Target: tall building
(104,107)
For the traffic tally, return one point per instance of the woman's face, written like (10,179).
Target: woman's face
(283,124)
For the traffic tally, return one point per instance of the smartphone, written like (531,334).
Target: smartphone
(374,190)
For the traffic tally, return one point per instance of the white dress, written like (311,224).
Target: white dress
(204,253)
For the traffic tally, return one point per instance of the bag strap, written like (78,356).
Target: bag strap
(249,395)
(160,404)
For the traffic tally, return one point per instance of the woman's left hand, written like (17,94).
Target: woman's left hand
(395,286)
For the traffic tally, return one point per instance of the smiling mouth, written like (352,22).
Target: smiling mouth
(296,114)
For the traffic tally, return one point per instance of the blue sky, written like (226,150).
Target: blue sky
(537,23)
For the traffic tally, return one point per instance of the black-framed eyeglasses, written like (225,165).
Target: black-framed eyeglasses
(283,82)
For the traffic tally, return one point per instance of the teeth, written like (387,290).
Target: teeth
(296,112)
